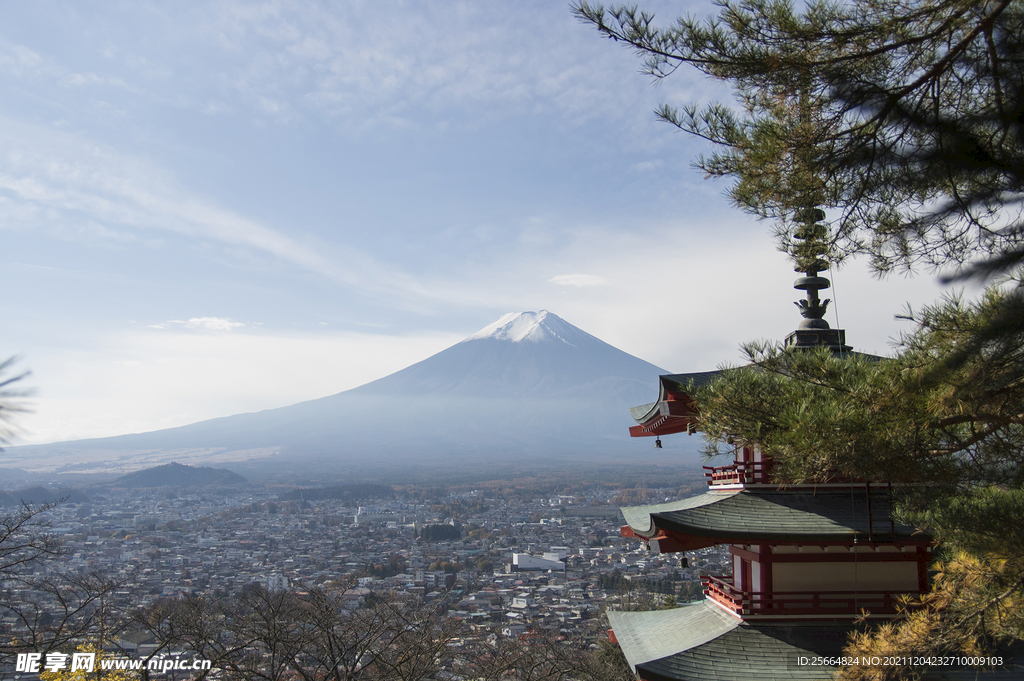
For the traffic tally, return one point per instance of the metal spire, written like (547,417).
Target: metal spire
(810,256)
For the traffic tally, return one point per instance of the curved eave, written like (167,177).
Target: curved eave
(755,652)
(648,636)
(722,651)
(759,515)
(702,642)
(663,425)
(675,411)
(641,518)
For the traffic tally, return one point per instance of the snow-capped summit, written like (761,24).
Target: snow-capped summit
(529,383)
(527,326)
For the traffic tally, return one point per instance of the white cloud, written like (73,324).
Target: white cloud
(205,323)
(578,280)
(682,297)
(212,323)
(647,166)
(147,380)
(69,185)
(682,294)
(359,67)
(19,60)
(682,301)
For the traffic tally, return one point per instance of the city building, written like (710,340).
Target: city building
(549,561)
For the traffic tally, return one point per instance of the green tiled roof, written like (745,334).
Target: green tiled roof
(753,652)
(701,642)
(680,382)
(639,413)
(770,514)
(640,517)
(646,636)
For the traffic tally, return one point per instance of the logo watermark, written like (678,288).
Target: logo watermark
(55,662)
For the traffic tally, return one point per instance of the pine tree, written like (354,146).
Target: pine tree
(952,430)
(915,131)
(904,119)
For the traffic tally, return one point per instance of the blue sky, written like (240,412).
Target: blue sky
(215,207)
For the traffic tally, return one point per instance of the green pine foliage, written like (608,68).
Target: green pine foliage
(944,422)
(904,120)
(931,414)
(904,115)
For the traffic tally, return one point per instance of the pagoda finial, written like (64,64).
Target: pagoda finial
(810,259)
(810,247)
(810,253)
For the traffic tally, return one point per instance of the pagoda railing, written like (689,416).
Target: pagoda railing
(844,603)
(746,472)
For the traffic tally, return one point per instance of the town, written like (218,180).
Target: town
(506,560)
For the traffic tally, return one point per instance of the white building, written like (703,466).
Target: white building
(524,561)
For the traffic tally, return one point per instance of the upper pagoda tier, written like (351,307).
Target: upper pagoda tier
(674,411)
(772,515)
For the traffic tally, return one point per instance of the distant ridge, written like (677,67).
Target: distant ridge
(177,475)
(36,496)
(352,492)
(528,387)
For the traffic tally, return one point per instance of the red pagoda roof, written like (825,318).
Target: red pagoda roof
(675,411)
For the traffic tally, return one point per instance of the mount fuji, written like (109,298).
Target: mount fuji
(528,385)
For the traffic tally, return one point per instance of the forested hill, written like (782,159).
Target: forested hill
(178,475)
(35,496)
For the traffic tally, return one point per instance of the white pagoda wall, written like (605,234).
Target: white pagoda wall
(841,576)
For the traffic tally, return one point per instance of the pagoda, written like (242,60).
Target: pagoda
(807,560)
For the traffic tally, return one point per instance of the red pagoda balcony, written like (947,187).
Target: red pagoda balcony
(783,604)
(747,473)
